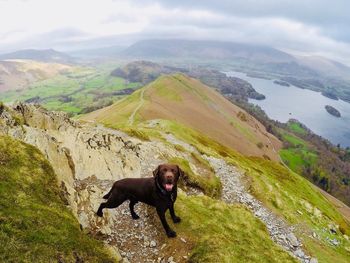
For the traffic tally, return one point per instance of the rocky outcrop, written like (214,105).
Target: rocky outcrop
(87,159)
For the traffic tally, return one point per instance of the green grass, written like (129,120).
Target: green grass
(225,233)
(296,127)
(84,87)
(35,224)
(166,91)
(297,159)
(209,183)
(295,141)
(297,155)
(284,192)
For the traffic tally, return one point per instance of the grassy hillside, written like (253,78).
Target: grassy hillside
(35,224)
(20,74)
(79,90)
(228,233)
(189,102)
(284,192)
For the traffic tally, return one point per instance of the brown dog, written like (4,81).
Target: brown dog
(159,191)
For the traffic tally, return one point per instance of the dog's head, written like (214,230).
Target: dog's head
(167,175)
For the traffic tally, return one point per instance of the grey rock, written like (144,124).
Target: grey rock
(293,240)
(299,253)
(152,243)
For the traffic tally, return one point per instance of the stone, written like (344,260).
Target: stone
(183,240)
(170,259)
(335,242)
(299,253)
(293,240)
(313,260)
(152,243)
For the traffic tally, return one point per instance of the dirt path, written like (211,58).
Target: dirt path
(142,100)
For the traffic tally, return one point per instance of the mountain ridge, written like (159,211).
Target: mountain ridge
(183,99)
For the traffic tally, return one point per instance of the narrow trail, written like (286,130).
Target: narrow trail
(142,100)
(234,191)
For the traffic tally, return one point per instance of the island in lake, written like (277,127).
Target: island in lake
(332,111)
(281,83)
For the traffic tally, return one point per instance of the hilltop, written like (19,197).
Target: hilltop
(193,104)
(19,74)
(147,71)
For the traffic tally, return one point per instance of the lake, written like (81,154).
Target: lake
(307,106)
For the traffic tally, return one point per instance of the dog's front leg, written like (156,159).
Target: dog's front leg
(175,218)
(168,230)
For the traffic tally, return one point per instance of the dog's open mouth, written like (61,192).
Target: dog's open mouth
(168,187)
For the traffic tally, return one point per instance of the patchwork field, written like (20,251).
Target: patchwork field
(80,90)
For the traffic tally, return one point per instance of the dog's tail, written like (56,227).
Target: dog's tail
(106,196)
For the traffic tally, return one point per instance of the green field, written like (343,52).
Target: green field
(80,91)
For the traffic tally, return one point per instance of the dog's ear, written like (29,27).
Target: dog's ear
(180,172)
(156,171)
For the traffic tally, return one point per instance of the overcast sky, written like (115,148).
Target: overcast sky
(320,27)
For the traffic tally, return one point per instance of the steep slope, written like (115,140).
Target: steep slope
(188,101)
(192,49)
(35,224)
(18,74)
(44,55)
(262,208)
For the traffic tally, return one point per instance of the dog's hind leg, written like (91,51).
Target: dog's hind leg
(106,196)
(132,211)
(112,202)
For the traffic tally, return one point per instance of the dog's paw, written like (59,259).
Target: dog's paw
(176,219)
(171,233)
(135,216)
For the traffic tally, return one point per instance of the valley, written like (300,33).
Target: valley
(81,90)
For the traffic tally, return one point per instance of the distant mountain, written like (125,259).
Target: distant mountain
(175,48)
(325,66)
(44,55)
(103,52)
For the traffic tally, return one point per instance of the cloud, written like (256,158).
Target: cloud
(301,26)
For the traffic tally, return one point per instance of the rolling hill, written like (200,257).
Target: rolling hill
(189,102)
(19,74)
